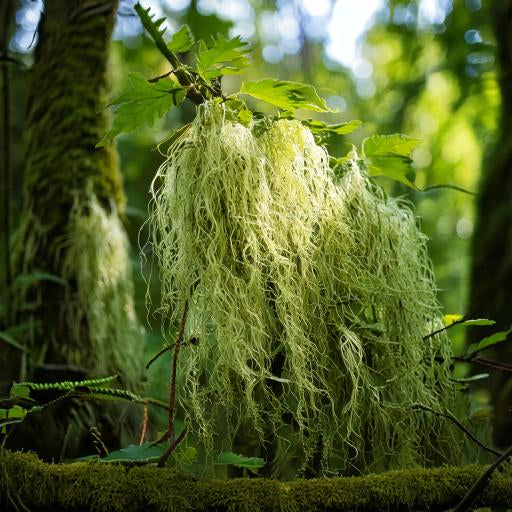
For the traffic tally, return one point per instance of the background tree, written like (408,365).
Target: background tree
(491,272)
(73,295)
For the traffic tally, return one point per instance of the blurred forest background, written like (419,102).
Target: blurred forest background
(426,68)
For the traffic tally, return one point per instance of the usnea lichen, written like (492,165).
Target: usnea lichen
(309,300)
(96,255)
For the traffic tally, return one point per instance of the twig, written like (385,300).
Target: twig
(467,502)
(447,185)
(443,328)
(165,75)
(459,424)
(155,357)
(172,447)
(144,426)
(170,433)
(154,401)
(484,361)
(172,387)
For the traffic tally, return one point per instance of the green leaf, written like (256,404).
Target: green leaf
(452,320)
(477,322)
(390,156)
(153,27)
(10,416)
(5,336)
(223,57)
(39,276)
(487,342)
(20,390)
(140,454)
(240,461)
(141,104)
(321,128)
(385,145)
(286,95)
(473,378)
(182,40)
(480,411)
(244,115)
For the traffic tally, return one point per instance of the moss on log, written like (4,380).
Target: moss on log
(26,481)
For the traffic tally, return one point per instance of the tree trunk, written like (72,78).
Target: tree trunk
(73,295)
(491,276)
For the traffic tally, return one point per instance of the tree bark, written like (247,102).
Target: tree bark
(491,273)
(73,302)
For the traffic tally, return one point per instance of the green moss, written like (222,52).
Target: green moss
(107,487)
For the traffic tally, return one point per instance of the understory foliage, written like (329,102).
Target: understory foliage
(309,297)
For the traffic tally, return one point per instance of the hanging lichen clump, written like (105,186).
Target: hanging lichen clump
(96,309)
(309,299)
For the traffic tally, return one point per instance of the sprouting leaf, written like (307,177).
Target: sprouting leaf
(223,57)
(321,128)
(140,454)
(286,95)
(487,342)
(451,319)
(153,27)
(142,103)
(181,41)
(390,155)
(10,340)
(240,461)
(244,115)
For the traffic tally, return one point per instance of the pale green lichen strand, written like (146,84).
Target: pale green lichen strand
(281,262)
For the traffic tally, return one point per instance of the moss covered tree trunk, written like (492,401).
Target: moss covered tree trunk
(73,294)
(491,278)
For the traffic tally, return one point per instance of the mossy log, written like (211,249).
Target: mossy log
(26,481)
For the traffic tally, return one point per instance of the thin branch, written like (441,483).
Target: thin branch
(484,361)
(144,425)
(165,75)
(156,356)
(154,401)
(466,504)
(447,185)
(172,387)
(172,447)
(446,327)
(459,424)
